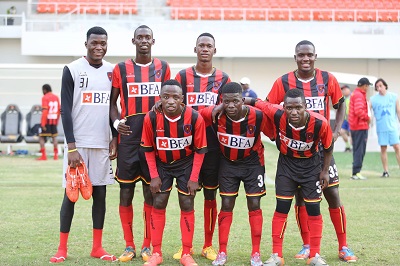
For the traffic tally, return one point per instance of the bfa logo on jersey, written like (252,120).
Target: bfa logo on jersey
(187,129)
(320,88)
(109,75)
(138,89)
(235,142)
(251,129)
(201,98)
(95,98)
(158,73)
(165,143)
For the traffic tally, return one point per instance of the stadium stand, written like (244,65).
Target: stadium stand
(11,120)
(33,119)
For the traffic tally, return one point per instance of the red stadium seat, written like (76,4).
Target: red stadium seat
(344,16)
(274,14)
(322,15)
(233,14)
(366,16)
(255,14)
(388,16)
(300,15)
(210,14)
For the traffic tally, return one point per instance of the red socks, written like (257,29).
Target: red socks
(126,216)
(61,254)
(256,222)
(278,230)
(224,227)
(210,218)
(146,221)
(338,217)
(315,222)
(187,231)
(97,249)
(302,223)
(157,229)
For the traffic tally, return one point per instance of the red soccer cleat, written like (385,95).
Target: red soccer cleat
(72,188)
(85,185)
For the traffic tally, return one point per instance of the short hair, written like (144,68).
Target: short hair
(231,87)
(46,87)
(96,30)
(344,86)
(383,82)
(170,82)
(143,27)
(304,42)
(205,34)
(295,93)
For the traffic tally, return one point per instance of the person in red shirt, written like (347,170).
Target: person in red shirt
(49,122)
(174,142)
(239,136)
(299,134)
(320,89)
(359,118)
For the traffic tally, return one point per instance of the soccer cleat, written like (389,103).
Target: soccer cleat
(155,259)
(178,255)
(145,253)
(385,174)
(209,253)
(85,185)
(304,253)
(72,184)
(347,255)
(274,260)
(255,260)
(129,254)
(317,261)
(187,260)
(221,259)
(347,149)
(358,176)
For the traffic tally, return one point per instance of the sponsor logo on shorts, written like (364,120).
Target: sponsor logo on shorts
(95,98)
(295,144)
(236,142)
(164,143)
(143,89)
(315,103)
(201,98)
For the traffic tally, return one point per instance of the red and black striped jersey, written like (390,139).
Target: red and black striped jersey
(317,91)
(139,85)
(201,91)
(298,142)
(239,139)
(174,139)
(51,109)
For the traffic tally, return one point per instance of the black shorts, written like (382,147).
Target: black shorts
(333,171)
(131,165)
(179,170)
(208,178)
(292,173)
(249,171)
(51,131)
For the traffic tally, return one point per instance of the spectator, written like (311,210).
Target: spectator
(359,119)
(386,109)
(11,11)
(247,92)
(345,130)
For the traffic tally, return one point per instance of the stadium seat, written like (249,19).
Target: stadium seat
(388,16)
(233,14)
(210,14)
(300,15)
(366,16)
(278,14)
(344,16)
(322,15)
(11,120)
(33,119)
(255,14)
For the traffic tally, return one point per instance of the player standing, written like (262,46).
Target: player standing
(238,131)
(174,142)
(85,94)
(137,82)
(49,121)
(318,87)
(200,84)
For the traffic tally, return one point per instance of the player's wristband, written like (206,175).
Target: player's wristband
(116,123)
(72,150)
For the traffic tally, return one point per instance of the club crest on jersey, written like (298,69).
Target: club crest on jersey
(216,85)
(187,128)
(95,97)
(109,75)
(158,73)
(251,129)
(309,135)
(320,88)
